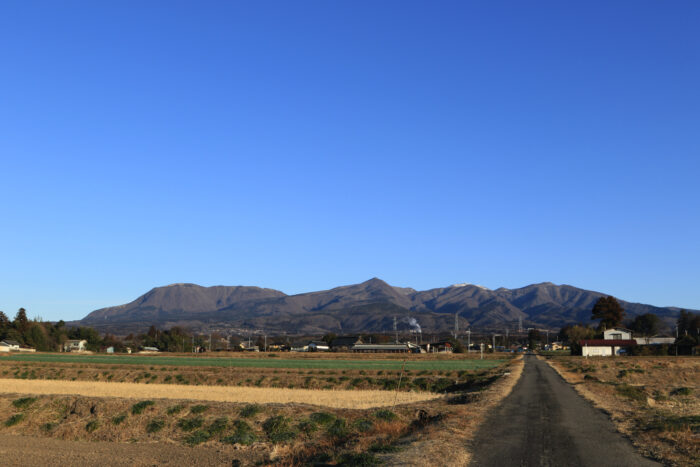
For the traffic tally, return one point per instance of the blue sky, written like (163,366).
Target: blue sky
(305,145)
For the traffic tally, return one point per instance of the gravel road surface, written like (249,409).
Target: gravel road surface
(545,422)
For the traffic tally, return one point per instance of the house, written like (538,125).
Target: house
(617,334)
(75,345)
(4,347)
(318,346)
(346,343)
(26,348)
(10,345)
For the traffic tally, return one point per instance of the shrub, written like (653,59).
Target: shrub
(218,425)
(23,402)
(242,434)
(189,424)
(155,425)
(363,425)
(632,392)
(92,425)
(15,419)
(195,409)
(250,410)
(139,407)
(338,429)
(197,437)
(307,426)
(322,418)
(278,430)
(47,427)
(118,419)
(175,409)
(681,392)
(385,414)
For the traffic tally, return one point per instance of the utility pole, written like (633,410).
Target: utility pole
(265,349)
(469,340)
(396,332)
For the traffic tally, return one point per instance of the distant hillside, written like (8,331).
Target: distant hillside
(369,306)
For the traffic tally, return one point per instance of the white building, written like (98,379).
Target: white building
(75,345)
(614,342)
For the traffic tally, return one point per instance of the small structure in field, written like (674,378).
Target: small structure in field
(345,343)
(26,348)
(75,345)
(149,350)
(318,346)
(110,350)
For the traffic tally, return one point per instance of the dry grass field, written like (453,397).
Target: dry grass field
(653,400)
(263,416)
(346,399)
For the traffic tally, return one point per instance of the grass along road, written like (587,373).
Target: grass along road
(347,399)
(262,362)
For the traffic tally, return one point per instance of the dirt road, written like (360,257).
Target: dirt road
(544,422)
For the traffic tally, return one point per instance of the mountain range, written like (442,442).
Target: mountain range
(371,306)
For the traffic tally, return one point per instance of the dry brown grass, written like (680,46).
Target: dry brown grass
(642,396)
(358,399)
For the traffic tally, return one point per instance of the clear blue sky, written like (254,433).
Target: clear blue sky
(304,145)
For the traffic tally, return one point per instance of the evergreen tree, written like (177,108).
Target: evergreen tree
(608,311)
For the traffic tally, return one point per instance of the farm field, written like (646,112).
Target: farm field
(653,400)
(431,374)
(417,362)
(249,414)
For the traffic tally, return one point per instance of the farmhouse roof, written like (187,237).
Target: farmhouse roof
(10,342)
(608,342)
(318,343)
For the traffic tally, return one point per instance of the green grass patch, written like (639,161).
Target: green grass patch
(117,420)
(242,434)
(218,426)
(250,410)
(15,419)
(92,425)
(199,436)
(23,402)
(322,418)
(190,424)
(636,393)
(196,409)
(139,407)
(467,364)
(681,392)
(175,409)
(155,425)
(278,430)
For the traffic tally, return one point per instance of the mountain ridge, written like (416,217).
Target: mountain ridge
(364,307)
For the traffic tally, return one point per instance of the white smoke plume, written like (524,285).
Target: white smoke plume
(414,325)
